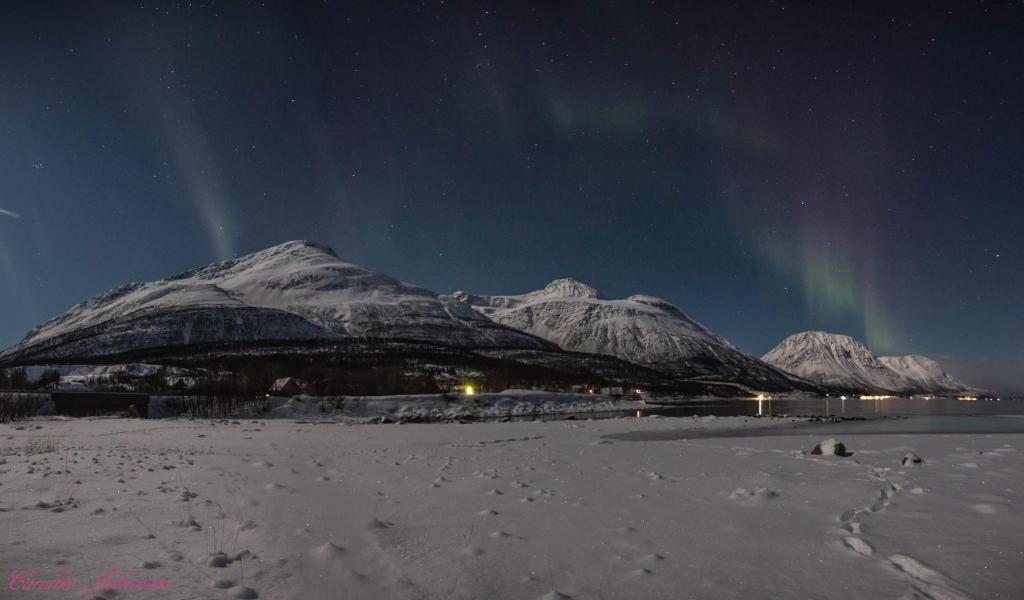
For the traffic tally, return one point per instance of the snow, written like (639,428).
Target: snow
(91,376)
(299,510)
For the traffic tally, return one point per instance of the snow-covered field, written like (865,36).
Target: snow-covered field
(283,509)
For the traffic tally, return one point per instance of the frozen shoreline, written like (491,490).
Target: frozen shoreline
(510,510)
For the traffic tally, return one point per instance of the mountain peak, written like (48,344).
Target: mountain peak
(824,337)
(568,287)
(303,244)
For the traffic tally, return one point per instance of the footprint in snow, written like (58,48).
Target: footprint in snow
(984,508)
(753,497)
(328,551)
(928,581)
(858,545)
(244,593)
(853,527)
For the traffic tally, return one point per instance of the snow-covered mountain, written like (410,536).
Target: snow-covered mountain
(837,361)
(294,291)
(640,329)
(924,374)
(841,362)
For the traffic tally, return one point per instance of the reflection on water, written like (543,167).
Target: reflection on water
(765,406)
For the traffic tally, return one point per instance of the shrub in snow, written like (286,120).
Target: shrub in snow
(831,446)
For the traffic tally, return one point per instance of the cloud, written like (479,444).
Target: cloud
(9,213)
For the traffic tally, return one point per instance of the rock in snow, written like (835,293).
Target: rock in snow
(911,459)
(831,447)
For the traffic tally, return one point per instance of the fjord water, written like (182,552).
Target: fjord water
(836,407)
(897,416)
(919,415)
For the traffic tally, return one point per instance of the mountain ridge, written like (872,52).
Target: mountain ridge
(641,329)
(842,362)
(292,290)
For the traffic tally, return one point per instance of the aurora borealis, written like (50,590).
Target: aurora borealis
(769,167)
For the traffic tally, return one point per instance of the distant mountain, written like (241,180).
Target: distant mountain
(923,373)
(843,363)
(294,291)
(640,329)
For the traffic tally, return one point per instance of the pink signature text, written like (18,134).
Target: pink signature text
(111,579)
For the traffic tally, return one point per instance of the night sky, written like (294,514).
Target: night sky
(769,167)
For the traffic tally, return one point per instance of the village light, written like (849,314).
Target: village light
(469,390)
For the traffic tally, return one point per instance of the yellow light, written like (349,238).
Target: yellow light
(469,390)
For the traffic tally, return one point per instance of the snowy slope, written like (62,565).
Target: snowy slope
(640,329)
(509,511)
(924,374)
(294,291)
(834,360)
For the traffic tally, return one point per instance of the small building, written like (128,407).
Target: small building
(611,391)
(286,386)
